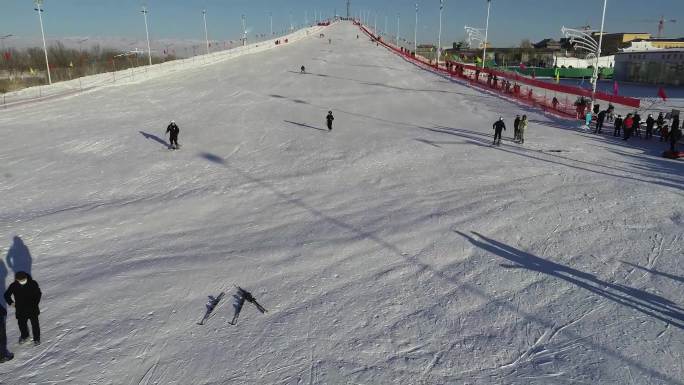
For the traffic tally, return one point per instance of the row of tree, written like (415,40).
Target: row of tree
(26,67)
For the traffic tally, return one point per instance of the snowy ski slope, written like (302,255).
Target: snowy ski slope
(400,248)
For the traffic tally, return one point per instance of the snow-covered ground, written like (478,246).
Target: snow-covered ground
(399,248)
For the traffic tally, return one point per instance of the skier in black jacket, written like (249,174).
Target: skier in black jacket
(24,295)
(329,120)
(173,132)
(516,124)
(498,126)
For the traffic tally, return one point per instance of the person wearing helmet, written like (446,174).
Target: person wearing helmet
(329,119)
(173,132)
(498,126)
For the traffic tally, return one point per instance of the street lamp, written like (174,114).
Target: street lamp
(484,53)
(415,32)
(270,14)
(147,33)
(244,31)
(39,9)
(397,29)
(439,38)
(206,35)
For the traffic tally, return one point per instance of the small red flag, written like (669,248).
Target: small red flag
(662,94)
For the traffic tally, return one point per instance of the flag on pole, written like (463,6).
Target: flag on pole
(557,73)
(662,94)
(615,88)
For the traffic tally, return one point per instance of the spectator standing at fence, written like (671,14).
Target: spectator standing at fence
(627,126)
(522,128)
(599,121)
(597,108)
(618,124)
(498,126)
(650,122)
(516,125)
(587,119)
(660,122)
(636,127)
(554,102)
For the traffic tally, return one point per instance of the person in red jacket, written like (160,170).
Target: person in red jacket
(627,126)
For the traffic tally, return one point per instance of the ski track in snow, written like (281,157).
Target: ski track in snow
(399,248)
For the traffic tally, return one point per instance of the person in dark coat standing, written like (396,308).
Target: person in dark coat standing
(660,122)
(329,119)
(650,122)
(5,354)
(498,126)
(618,125)
(599,121)
(24,295)
(636,125)
(173,132)
(516,125)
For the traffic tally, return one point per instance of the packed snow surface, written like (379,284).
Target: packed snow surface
(400,248)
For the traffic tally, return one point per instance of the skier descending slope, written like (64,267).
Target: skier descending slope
(329,119)
(173,132)
(498,126)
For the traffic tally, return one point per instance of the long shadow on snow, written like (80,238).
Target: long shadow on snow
(155,138)
(651,373)
(19,257)
(478,138)
(642,301)
(304,125)
(656,272)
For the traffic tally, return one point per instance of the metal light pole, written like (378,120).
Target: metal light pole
(39,9)
(147,33)
(484,53)
(397,29)
(594,79)
(206,35)
(439,37)
(244,31)
(415,32)
(385,30)
(270,14)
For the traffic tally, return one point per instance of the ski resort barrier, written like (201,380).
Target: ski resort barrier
(557,99)
(134,74)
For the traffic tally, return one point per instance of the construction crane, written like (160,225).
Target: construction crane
(661,24)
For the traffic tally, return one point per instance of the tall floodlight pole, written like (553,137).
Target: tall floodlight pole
(206,35)
(439,37)
(147,33)
(486,41)
(375,25)
(39,9)
(397,29)
(244,30)
(598,53)
(385,30)
(415,32)
(270,14)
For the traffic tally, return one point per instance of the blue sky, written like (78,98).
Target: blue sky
(511,20)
